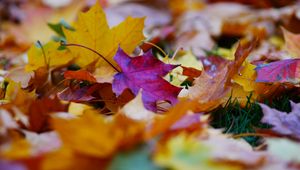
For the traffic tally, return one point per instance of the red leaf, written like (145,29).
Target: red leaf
(191,72)
(279,71)
(213,64)
(39,111)
(145,72)
(80,75)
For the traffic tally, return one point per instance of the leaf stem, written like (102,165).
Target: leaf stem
(94,51)
(156,46)
(44,54)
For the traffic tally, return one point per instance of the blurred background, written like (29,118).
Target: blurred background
(199,25)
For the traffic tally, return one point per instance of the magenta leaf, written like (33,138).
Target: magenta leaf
(280,71)
(145,72)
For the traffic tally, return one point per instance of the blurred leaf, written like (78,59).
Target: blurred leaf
(135,159)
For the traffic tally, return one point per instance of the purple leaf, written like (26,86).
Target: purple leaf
(283,123)
(9,165)
(145,72)
(279,71)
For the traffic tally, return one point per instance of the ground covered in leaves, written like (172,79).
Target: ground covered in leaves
(149,85)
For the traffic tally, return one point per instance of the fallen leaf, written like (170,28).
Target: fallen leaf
(47,56)
(246,77)
(283,123)
(284,149)
(102,39)
(80,75)
(145,72)
(101,138)
(174,115)
(190,121)
(39,113)
(206,87)
(213,64)
(283,71)
(88,134)
(135,109)
(79,94)
(186,152)
(138,158)
(72,161)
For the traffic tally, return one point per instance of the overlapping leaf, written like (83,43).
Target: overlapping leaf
(283,123)
(47,56)
(145,72)
(92,31)
(284,71)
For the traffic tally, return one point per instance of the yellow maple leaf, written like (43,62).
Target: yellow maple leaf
(92,31)
(89,134)
(93,135)
(246,77)
(47,56)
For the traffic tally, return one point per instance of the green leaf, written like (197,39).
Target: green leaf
(137,159)
(58,28)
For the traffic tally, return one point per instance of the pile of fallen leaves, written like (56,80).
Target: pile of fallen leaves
(149,85)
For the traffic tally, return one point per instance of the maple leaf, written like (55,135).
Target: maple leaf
(145,72)
(90,130)
(97,91)
(213,64)
(208,88)
(39,113)
(212,87)
(100,137)
(283,123)
(47,56)
(92,31)
(280,71)
(246,77)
